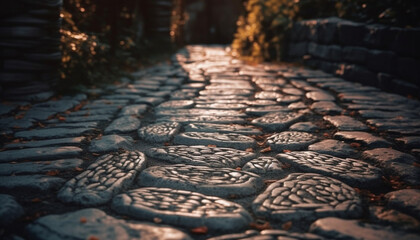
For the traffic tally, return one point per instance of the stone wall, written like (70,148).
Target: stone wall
(378,55)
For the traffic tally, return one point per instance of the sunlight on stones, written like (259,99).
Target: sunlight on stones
(232,140)
(290,140)
(159,132)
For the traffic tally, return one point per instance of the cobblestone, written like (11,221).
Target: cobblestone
(231,140)
(277,121)
(222,128)
(290,140)
(159,132)
(10,210)
(44,153)
(264,166)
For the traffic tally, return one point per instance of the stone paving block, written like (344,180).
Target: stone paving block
(49,133)
(159,132)
(124,124)
(92,223)
(409,141)
(231,140)
(391,217)
(221,182)
(346,123)
(7,169)
(267,95)
(110,143)
(222,106)
(222,128)
(201,155)
(304,127)
(137,110)
(277,121)
(230,92)
(326,107)
(385,156)
(198,112)
(260,103)
(203,119)
(406,200)
(365,138)
(337,228)
(290,140)
(287,99)
(80,124)
(43,153)
(297,106)
(96,111)
(152,101)
(269,234)
(108,176)
(176,104)
(260,111)
(114,97)
(333,147)
(307,196)
(264,166)
(351,171)
(78,119)
(319,96)
(36,183)
(46,143)
(292,91)
(10,210)
(182,208)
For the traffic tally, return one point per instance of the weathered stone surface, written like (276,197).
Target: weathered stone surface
(46,143)
(201,155)
(198,112)
(7,169)
(182,208)
(410,141)
(397,219)
(287,99)
(231,140)
(204,119)
(110,143)
(10,210)
(406,200)
(307,196)
(153,101)
(96,111)
(36,183)
(326,107)
(333,147)
(259,111)
(346,123)
(277,121)
(123,124)
(264,166)
(221,182)
(269,234)
(292,91)
(290,140)
(80,124)
(267,95)
(98,225)
(351,171)
(304,127)
(222,106)
(319,96)
(337,228)
(222,128)
(44,153)
(365,138)
(78,119)
(297,106)
(52,133)
(102,180)
(230,92)
(159,132)
(137,110)
(388,155)
(176,104)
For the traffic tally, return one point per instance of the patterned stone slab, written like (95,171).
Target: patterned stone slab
(7,169)
(277,121)
(336,228)
(182,208)
(123,124)
(290,140)
(222,128)
(264,166)
(46,143)
(203,119)
(259,111)
(386,156)
(365,138)
(198,112)
(406,200)
(271,234)
(10,210)
(43,153)
(221,182)
(109,143)
(351,171)
(92,223)
(176,104)
(345,123)
(201,155)
(52,133)
(36,183)
(333,147)
(232,140)
(230,92)
(159,132)
(103,179)
(232,106)
(307,196)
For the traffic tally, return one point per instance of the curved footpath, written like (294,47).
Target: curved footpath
(209,147)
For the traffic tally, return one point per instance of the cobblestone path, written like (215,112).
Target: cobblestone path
(208,147)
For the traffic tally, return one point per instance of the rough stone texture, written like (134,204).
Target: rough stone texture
(264,166)
(304,127)
(201,155)
(44,153)
(123,124)
(137,110)
(326,107)
(352,229)
(7,169)
(46,143)
(351,171)
(259,111)
(110,143)
(287,99)
(159,132)
(290,140)
(410,141)
(35,183)
(397,219)
(365,138)
(232,106)
(10,210)
(388,155)
(222,128)
(204,119)
(266,95)
(333,147)
(98,225)
(52,133)
(277,121)
(198,112)
(176,104)
(319,96)
(102,180)
(269,234)
(232,140)
(406,200)
(307,197)
(182,208)
(221,182)
(346,123)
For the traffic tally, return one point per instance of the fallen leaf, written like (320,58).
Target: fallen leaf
(96,154)
(286,150)
(92,238)
(287,225)
(416,164)
(355,145)
(19,116)
(16,127)
(36,200)
(78,107)
(83,220)
(52,173)
(249,150)
(260,225)
(166,144)
(211,145)
(238,168)
(232,196)
(327,135)
(200,230)
(157,220)
(78,169)
(268,182)
(17,140)
(40,124)
(61,118)
(267,149)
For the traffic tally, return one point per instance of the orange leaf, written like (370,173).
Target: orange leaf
(249,150)
(78,107)
(78,169)
(166,144)
(211,145)
(200,230)
(287,225)
(96,154)
(355,144)
(40,124)
(157,220)
(52,173)
(286,151)
(61,118)
(238,168)
(260,226)
(416,164)
(267,149)
(83,220)
(268,182)
(92,238)
(36,200)
(19,116)
(326,135)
